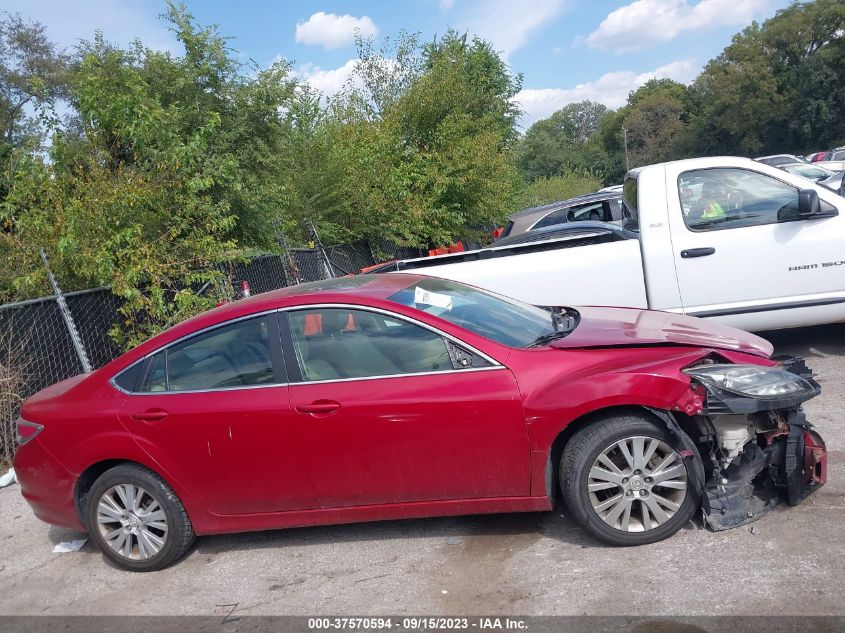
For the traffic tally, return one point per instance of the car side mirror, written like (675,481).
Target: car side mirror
(808,203)
(842,187)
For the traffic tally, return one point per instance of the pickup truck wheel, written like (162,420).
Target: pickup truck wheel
(136,519)
(624,480)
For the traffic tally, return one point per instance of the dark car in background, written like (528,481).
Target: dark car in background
(603,206)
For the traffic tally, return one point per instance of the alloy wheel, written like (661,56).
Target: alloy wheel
(132,522)
(637,484)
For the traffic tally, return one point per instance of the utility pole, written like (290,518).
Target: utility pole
(625,132)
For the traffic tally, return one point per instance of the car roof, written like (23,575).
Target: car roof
(562,204)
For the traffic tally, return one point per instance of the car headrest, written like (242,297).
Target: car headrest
(334,321)
(179,363)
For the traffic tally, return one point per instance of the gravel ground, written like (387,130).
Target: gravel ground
(789,562)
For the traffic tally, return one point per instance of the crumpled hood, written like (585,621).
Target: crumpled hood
(608,327)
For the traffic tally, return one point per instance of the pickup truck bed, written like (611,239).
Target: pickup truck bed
(771,255)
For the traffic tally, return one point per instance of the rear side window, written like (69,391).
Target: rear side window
(128,378)
(555,217)
(235,355)
(613,209)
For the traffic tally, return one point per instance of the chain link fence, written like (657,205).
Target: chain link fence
(37,342)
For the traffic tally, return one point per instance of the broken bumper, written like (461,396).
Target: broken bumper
(785,458)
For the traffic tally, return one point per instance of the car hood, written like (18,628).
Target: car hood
(613,327)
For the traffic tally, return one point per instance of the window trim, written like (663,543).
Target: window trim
(285,352)
(727,228)
(276,358)
(295,373)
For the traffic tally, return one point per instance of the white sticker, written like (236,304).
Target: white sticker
(427,297)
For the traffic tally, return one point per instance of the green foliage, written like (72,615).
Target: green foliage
(567,139)
(655,115)
(778,86)
(431,163)
(570,183)
(171,165)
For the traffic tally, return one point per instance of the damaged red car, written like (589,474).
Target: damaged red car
(395,396)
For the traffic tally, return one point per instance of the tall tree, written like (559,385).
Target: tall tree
(33,75)
(656,113)
(565,139)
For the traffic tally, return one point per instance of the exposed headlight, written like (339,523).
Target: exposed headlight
(751,380)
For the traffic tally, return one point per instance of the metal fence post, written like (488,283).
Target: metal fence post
(68,318)
(327,263)
(286,259)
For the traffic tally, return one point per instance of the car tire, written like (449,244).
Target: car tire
(136,519)
(599,482)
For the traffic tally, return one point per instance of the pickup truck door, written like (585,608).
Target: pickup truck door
(743,255)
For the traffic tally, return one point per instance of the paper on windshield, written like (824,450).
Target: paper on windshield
(426,297)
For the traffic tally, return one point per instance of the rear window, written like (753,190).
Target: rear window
(630,213)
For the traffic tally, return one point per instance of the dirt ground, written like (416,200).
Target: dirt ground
(790,562)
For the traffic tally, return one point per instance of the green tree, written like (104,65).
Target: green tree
(33,74)
(566,139)
(173,163)
(655,115)
(777,87)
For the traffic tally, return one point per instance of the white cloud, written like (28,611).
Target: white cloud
(121,21)
(330,30)
(508,23)
(329,82)
(446,5)
(646,23)
(611,89)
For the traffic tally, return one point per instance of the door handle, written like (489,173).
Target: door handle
(697,252)
(153,415)
(321,406)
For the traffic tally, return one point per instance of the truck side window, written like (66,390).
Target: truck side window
(726,198)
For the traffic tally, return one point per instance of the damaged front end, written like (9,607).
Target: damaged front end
(756,444)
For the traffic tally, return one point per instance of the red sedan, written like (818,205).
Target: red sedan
(394,396)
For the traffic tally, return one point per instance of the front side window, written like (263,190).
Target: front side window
(235,355)
(726,198)
(343,343)
(506,321)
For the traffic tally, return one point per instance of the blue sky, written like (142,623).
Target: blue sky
(567,50)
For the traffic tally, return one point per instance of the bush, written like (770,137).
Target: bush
(569,184)
(12,378)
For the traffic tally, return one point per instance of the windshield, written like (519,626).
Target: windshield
(492,316)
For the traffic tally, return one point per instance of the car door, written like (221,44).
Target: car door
(391,411)
(213,411)
(741,248)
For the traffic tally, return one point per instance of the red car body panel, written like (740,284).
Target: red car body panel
(464,442)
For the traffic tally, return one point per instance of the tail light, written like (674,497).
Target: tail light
(25,431)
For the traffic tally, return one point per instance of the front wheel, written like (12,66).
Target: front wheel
(136,519)
(625,481)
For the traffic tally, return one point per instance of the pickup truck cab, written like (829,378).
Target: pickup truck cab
(731,239)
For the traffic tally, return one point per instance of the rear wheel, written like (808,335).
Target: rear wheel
(136,519)
(625,481)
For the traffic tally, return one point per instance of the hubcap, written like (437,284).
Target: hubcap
(132,522)
(637,484)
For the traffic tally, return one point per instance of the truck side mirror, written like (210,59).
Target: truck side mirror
(808,203)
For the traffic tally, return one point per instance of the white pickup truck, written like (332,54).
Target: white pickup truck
(726,238)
